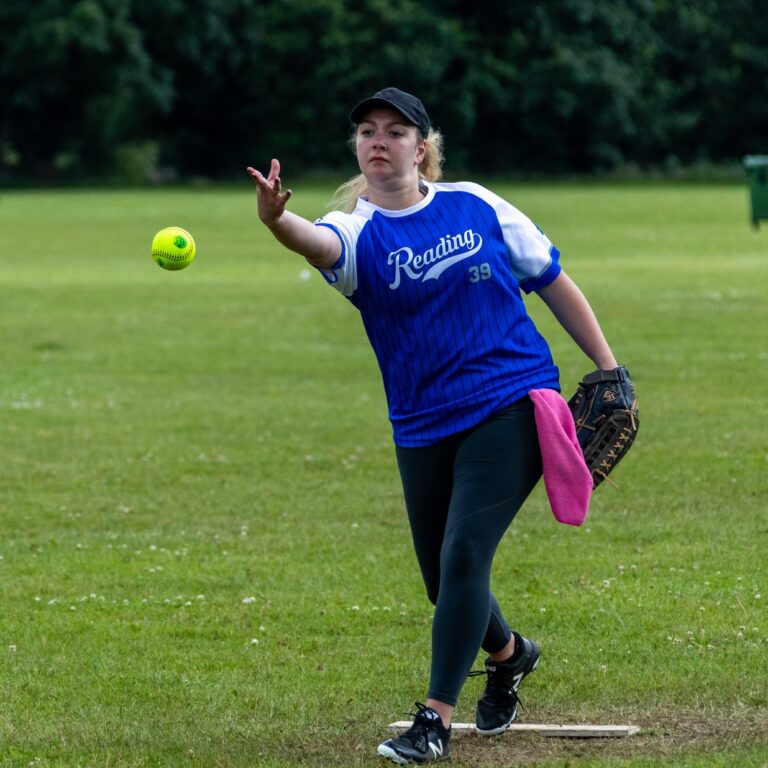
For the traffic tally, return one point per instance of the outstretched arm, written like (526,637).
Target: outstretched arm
(319,245)
(572,310)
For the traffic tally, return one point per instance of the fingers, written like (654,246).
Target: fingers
(274,170)
(269,190)
(263,186)
(257,176)
(272,181)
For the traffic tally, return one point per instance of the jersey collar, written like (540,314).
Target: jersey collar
(363,204)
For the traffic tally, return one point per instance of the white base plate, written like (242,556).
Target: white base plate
(566,731)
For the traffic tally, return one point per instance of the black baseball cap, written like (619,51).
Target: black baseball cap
(407,105)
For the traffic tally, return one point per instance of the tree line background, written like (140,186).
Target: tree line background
(162,89)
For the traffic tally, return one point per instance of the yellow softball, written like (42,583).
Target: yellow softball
(173,248)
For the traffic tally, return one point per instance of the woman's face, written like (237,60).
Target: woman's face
(389,149)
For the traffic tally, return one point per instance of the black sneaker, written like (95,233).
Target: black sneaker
(498,706)
(426,741)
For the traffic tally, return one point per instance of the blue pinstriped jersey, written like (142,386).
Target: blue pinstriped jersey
(438,288)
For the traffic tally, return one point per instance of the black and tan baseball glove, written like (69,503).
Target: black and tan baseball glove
(604,408)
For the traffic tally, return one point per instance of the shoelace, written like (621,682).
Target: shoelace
(496,690)
(418,731)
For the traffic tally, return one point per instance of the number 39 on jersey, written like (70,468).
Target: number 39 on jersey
(478,272)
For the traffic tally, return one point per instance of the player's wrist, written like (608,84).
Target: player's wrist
(604,358)
(272,222)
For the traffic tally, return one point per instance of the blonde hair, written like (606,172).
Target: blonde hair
(430,169)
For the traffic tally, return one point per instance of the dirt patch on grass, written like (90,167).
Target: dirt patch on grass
(663,734)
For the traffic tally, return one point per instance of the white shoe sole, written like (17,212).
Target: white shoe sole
(495,731)
(390,754)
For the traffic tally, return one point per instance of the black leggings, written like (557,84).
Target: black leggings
(461,496)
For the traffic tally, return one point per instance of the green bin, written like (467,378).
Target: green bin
(756,167)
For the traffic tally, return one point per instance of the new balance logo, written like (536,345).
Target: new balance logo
(437,749)
(449,250)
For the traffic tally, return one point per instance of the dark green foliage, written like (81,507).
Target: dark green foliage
(90,88)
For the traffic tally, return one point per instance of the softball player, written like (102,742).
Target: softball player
(436,272)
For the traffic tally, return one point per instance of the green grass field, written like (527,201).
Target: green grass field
(204,555)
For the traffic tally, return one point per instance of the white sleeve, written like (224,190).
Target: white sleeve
(343,274)
(533,257)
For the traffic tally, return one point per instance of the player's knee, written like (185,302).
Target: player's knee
(464,558)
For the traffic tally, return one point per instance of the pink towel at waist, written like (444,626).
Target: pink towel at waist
(567,478)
